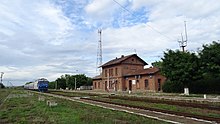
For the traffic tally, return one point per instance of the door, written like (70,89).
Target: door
(116,85)
(146,84)
(130,85)
(159,84)
(106,85)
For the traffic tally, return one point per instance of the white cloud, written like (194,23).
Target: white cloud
(101,12)
(100,8)
(164,27)
(47,38)
(35,34)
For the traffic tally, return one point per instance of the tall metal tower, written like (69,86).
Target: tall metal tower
(183,43)
(99,53)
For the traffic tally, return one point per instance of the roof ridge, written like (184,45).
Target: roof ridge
(119,60)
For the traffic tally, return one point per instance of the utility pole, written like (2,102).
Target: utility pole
(2,73)
(56,84)
(183,43)
(75,80)
(1,84)
(75,83)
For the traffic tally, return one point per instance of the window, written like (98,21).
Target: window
(95,85)
(139,76)
(110,72)
(125,67)
(106,85)
(110,85)
(116,71)
(99,85)
(106,73)
(138,84)
(146,83)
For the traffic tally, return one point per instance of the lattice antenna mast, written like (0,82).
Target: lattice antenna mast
(183,43)
(99,52)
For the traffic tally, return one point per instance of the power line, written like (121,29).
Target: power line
(144,23)
(122,7)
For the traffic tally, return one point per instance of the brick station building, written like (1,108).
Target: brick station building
(128,73)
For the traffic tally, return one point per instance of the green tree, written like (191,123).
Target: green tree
(210,58)
(180,68)
(69,81)
(61,82)
(81,80)
(67,78)
(52,84)
(89,81)
(157,64)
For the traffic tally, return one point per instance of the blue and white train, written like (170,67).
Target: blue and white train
(40,85)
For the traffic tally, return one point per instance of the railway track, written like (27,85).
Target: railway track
(162,111)
(158,114)
(178,103)
(155,100)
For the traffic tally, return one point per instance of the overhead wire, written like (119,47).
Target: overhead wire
(145,23)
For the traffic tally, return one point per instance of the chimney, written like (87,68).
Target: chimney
(122,56)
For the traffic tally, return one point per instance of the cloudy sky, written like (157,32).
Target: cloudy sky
(48,38)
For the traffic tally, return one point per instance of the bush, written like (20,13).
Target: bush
(206,86)
(171,87)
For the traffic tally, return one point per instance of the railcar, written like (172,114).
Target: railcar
(40,85)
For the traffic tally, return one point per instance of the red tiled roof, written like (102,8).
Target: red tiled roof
(144,71)
(119,60)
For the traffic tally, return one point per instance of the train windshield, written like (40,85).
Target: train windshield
(43,83)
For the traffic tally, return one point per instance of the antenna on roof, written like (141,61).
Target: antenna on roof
(135,52)
(183,43)
(99,52)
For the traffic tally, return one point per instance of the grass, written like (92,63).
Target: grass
(27,109)
(3,94)
(176,108)
(144,102)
